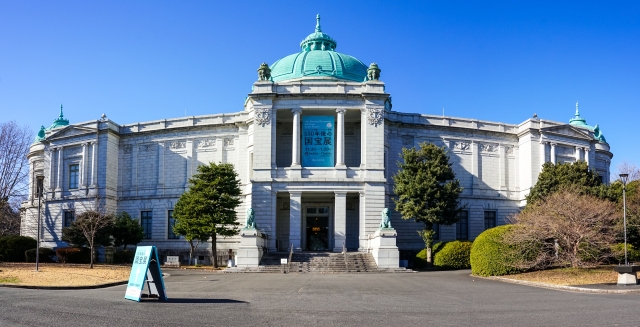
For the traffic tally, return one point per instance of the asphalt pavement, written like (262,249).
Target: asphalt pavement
(439,298)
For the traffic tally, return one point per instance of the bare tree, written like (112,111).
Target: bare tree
(9,219)
(566,229)
(631,169)
(92,222)
(14,165)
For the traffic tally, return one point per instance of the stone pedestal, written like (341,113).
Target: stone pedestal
(251,247)
(627,274)
(384,249)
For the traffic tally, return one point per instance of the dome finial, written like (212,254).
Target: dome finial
(577,110)
(318,29)
(61,115)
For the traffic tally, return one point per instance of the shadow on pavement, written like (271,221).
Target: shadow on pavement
(175,300)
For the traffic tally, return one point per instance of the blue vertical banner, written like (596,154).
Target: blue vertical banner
(317,141)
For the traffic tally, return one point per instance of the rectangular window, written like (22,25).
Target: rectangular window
(74,172)
(69,217)
(39,186)
(489,219)
(145,221)
(172,222)
(462,226)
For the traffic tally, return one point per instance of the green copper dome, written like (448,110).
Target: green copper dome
(60,122)
(318,58)
(578,121)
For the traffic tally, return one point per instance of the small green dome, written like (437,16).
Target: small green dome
(60,121)
(318,58)
(578,121)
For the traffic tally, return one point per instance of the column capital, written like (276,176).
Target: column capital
(85,144)
(295,193)
(341,110)
(341,193)
(296,110)
(553,144)
(587,149)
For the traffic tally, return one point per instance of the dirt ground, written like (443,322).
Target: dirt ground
(61,275)
(570,276)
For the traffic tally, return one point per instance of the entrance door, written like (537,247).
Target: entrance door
(317,228)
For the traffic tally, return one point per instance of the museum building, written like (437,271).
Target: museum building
(315,147)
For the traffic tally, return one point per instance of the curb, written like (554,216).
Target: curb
(561,287)
(88,287)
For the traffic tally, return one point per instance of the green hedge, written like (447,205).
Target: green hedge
(73,255)
(46,255)
(490,256)
(421,258)
(123,256)
(453,255)
(12,247)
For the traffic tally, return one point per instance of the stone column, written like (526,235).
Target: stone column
(94,165)
(340,138)
(52,154)
(587,154)
(553,153)
(295,146)
(161,149)
(134,170)
(543,155)
(362,227)
(475,157)
(340,221)
(83,162)
(503,167)
(363,138)
(295,219)
(577,154)
(60,162)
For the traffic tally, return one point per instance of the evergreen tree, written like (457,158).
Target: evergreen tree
(576,176)
(208,207)
(126,230)
(427,190)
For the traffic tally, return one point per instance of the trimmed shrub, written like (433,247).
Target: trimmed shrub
(123,256)
(421,258)
(490,255)
(12,247)
(46,255)
(454,255)
(633,254)
(73,255)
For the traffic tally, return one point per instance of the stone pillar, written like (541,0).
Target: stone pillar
(475,157)
(543,155)
(52,154)
(83,162)
(161,169)
(363,138)
(553,153)
(587,154)
(340,221)
(295,146)
(340,138)
(577,154)
(134,170)
(362,227)
(503,167)
(189,144)
(295,219)
(60,162)
(94,165)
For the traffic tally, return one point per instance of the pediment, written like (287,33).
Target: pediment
(568,131)
(70,131)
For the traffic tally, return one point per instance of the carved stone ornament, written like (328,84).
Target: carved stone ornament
(509,149)
(264,72)
(385,222)
(178,145)
(407,140)
(373,73)
(561,150)
(228,141)
(206,143)
(462,146)
(374,116)
(484,147)
(263,116)
(128,148)
(147,147)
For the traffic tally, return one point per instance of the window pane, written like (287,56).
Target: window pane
(489,219)
(145,221)
(73,176)
(69,217)
(172,222)
(462,227)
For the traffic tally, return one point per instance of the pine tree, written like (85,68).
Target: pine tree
(427,190)
(576,176)
(208,207)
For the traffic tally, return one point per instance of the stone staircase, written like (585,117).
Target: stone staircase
(319,263)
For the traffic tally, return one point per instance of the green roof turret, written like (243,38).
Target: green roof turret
(318,40)
(60,122)
(40,136)
(578,121)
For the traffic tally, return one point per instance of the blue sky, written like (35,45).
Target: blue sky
(501,61)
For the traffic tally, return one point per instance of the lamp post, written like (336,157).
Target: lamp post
(623,178)
(39,187)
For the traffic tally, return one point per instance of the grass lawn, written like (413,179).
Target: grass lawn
(570,276)
(61,275)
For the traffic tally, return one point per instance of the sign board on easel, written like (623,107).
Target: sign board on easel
(145,268)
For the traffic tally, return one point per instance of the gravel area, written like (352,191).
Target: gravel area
(61,275)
